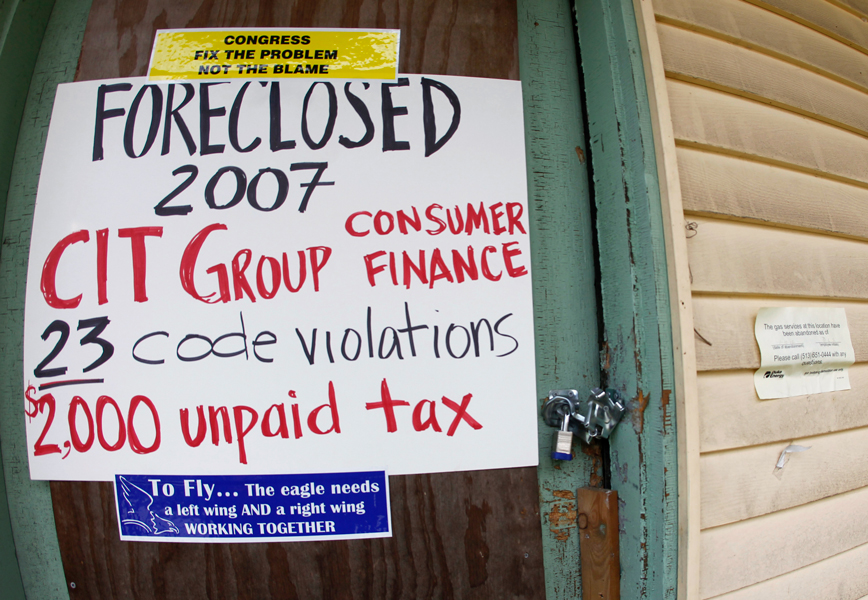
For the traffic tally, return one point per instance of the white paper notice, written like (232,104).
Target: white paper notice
(804,351)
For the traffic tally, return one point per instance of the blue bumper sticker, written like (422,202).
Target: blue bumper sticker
(253,508)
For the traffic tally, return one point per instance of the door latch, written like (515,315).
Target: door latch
(591,418)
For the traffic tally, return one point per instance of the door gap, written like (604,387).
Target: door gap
(592,208)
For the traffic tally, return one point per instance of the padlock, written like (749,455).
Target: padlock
(563,446)
(590,419)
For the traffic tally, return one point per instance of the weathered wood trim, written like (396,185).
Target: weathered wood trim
(639,340)
(30,505)
(10,573)
(22,25)
(567,351)
(686,397)
(598,540)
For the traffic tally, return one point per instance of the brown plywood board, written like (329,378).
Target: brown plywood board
(474,535)
(597,511)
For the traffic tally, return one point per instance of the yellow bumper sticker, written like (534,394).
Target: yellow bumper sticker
(274,54)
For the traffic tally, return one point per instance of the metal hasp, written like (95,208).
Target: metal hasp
(591,418)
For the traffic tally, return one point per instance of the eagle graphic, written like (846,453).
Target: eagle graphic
(137,518)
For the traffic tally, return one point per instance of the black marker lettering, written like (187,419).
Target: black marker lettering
(172,113)
(102,114)
(364,115)
(234,115)
(389,113)
(206,113)
(432,144)
(330,124)
(274,120)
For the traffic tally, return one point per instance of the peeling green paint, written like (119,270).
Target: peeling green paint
(638,358)
(565,315)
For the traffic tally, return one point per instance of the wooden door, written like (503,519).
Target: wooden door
(465,535)
(461,535)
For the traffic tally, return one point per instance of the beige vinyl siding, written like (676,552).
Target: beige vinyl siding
(769,118)
(829,578)
(857,7)
(732,417)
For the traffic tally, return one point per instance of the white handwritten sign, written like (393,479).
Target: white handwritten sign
(280,277)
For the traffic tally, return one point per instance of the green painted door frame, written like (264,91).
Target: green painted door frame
(637,352)
(609,226)
(562,255)
(597,240)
